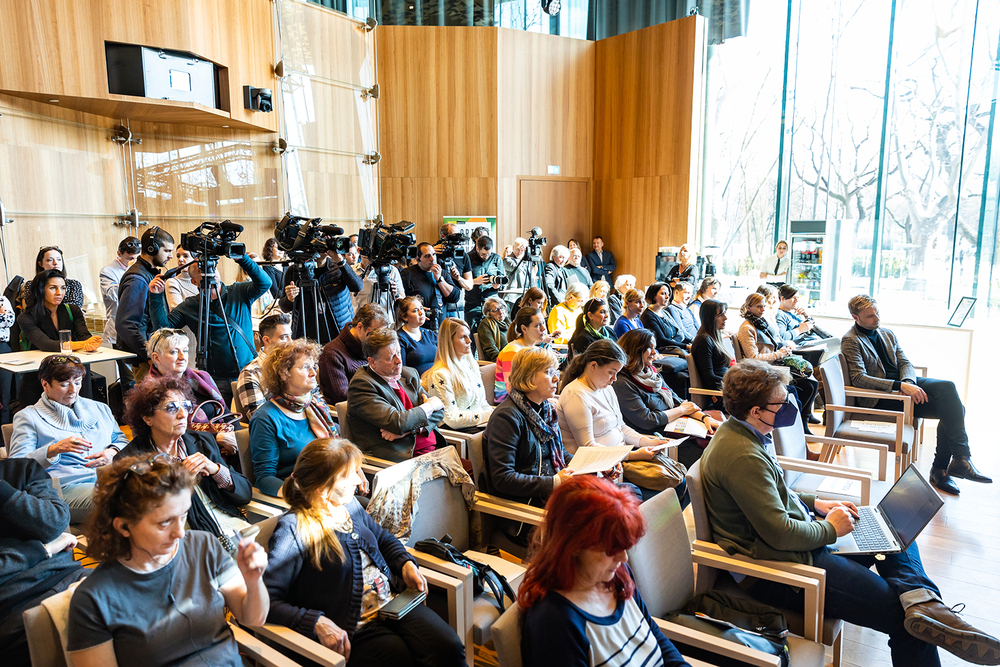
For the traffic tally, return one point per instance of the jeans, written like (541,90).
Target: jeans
(6,384)
(944,405)
(419,638)
(857,595)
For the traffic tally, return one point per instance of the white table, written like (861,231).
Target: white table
(34,358)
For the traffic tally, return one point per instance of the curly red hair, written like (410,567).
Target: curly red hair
(583,513)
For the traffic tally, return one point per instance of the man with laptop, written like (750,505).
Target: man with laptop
(753,513)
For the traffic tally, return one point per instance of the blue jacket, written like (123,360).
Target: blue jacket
(336,284)
(237,300)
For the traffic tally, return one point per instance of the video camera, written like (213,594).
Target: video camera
(305,238)
(536,242)
(214,239)
(384,244)
(452,246)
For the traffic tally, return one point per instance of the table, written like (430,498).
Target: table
(34,358)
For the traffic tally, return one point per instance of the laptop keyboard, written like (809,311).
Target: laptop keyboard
(867,533)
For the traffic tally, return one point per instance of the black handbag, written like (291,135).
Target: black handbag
(483,575)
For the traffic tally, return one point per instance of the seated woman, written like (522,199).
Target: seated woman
(157,410)
(332,567)
(563,315)
(533,298)
(581,604)
(711,356)
(50,258)
(455,378)
(417,345)
(527,330)
(160,593)
(632,307)
(758,340)
(67,434)
(600,290)
(709,289)
(41,321)
(295,414)
(168,357)
(669,338)
(591,326)
(493,328)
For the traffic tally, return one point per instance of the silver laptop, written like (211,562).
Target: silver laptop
(894,523)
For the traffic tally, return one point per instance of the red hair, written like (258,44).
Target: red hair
(583,513)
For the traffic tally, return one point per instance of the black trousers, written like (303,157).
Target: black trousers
(421,638)
(943,404)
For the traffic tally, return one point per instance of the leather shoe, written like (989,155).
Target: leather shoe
(813,419)
(943,482)
(936,624)
(961,467)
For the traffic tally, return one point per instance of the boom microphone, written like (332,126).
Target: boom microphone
(228,226)
(173,272)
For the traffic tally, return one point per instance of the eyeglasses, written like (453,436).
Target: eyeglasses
(788,400)
(140,468)
(60,359)
(172,407)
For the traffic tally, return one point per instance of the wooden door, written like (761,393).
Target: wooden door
(560,207)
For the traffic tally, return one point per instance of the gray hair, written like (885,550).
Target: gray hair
(624,278)
(559,251)
(164,339)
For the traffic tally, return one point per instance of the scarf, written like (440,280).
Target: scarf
(316,410)
(593,332)
(650,380)
(761,325)
(544,425)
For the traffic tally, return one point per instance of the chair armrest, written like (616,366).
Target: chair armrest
(444,567)
(921,371)
(508,509)
(704,392)
(881,448)
(460,440)
(895,414)
(371,465)
(267,509)
(721,647)
(829,470)
(264,499)
(266,655)
(459,611)
(907,401)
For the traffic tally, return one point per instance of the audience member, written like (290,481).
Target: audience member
(160,593)
(527,330)
(573,243)
(230,344)
(67,434)
(556,281)
(158,410)
(342,356)
(580,601)
(753,513)
(132,321)
(389,414)
(711,356)
(486,266)
(591,326)
(562,318)
(180,286)
(774,269)
(50,258)
(35,551)
(7,317)
(418,346)
(574,272)
(686,270)
(111,275)
(709,289)
(600,290)
(628,318)
(332,567)
(517,266)
(679,311)
(250,395)
(792,325)
(669,338)
(770,294)
(431,283)
(493,328)
(600,262)
(390,288)
(533,297)
(335,283)
(876,361)
(272,252)
(455,378)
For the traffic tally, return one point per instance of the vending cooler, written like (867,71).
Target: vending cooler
(821,258)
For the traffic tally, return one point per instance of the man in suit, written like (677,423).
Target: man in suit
(876,361)
(389,414)
(600,262)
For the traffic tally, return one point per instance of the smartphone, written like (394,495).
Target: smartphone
(231,542)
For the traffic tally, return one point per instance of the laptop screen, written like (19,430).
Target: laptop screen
(910,505)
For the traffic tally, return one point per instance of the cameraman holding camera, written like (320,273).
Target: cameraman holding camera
(487,272)
(336,282)
(431,283)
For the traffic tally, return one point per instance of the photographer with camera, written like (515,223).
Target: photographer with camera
(428,280)
(336,282)
(488,276)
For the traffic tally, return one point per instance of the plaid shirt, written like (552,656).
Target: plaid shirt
(250,394)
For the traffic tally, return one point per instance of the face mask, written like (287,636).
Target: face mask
(785,416)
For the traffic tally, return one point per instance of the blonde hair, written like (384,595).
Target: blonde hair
(320,464)
(753,299)
(633,295)
(164,339)
(279,361)
(600,285)
(527,363)
(579,290)
(860,303)
(447,358)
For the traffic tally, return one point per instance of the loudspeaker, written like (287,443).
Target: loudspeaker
(159,74)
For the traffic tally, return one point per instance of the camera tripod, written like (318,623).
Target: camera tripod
(206,285)
(381,294)
(316,323)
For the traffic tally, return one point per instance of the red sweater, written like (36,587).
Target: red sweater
(338,362)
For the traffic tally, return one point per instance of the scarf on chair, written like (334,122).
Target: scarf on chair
(544,425)
(761,325)
(201,384)
(316,410)
(650,380)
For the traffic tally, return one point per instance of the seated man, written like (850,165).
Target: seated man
(753,513)
(389,415)
(575,273)
(679,310)
(67,434)
(250,395)
(876,361)
(36,554)
(342,356)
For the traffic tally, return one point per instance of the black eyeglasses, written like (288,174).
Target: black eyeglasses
(59,360)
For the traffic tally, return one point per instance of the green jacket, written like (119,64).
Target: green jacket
(750,509)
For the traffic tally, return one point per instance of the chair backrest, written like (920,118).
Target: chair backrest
(661,561)
(833,392)
(479,346)
(790,441)
(702,528)
(506,633)
(489,372)
(695,380)
(345,432)
(246,458)
(43,637)
(8,433)
(475,454)
(737,348)
(267,527)
(440,511)
(730,346)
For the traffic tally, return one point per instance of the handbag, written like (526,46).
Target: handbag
(797,365)
(483,575)
(223,423)
(659,474)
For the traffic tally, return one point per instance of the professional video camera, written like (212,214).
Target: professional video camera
(384,244)
(214,239)
(305,238)
(452,246)
(535,243)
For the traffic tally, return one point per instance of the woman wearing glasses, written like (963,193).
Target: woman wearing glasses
(295,415)
(160,593)
(50,258)
(158,410)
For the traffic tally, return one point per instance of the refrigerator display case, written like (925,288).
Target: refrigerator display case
(820,258)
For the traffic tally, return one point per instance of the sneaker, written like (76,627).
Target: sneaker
(936,624)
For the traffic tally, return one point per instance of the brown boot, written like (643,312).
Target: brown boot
(936,624)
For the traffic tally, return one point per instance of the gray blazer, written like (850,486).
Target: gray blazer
(863,365)
(372,405)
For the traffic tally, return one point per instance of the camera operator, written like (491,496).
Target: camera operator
(393,289)
(132,321)
(431,283)
(237,300)
(336,282)
(486,268)
(518,272)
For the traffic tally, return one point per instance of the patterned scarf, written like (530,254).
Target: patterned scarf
(317,413)
(761,325)
(544,424)
(650,380)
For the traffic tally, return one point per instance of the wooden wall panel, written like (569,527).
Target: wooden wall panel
(425,201)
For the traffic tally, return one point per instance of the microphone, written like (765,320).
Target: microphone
(536,231)
(228,226)
(173,272)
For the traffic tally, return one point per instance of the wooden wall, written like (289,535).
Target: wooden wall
(647,167)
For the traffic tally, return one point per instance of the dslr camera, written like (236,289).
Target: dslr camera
(214,239)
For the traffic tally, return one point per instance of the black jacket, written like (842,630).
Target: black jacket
(555,283)
(711,362)
(581,339)
(645,411)
(44,336)
(132,321)
(417,282)
(615,306)
(669,337)
(515,466)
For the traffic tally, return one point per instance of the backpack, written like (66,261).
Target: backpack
(483,575)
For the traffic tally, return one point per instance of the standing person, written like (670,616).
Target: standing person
(518,272)
(272,252)
(431,283)
(486,265)
(250,395)
(50,258)
(600,262)
(390,288)
(7,317)
(774,269)
(111,275)
(685,270)
(493,328)
(575,273)
(556,282)
(335,283)
(132,321)
(180,287)
(623,284)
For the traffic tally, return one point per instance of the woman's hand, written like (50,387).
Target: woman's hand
(73,444)
(199,464)
(101,458)
(413,578)
(64,542)
(562,476)
(642,454)
(88,345)
(688,407)
(710,423)
(331,636)
(226,442)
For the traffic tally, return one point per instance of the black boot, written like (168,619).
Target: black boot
(961,467)
(943,482)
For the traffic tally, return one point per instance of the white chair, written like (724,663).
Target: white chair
(489,373)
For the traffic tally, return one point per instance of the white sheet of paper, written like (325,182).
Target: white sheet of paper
(589,460)
(839,486)
(687,426)
(874,427)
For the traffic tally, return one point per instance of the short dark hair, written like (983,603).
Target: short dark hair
(652,291)
(596,237)
(60,367)
(484,243)
(272,322)
(368,313)
(378,340)
(145,396)
(130,244)
(421,246)
(158,234)
(787,292)
(750,384)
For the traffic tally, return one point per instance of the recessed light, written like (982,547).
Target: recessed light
(53,101)
(225,126)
